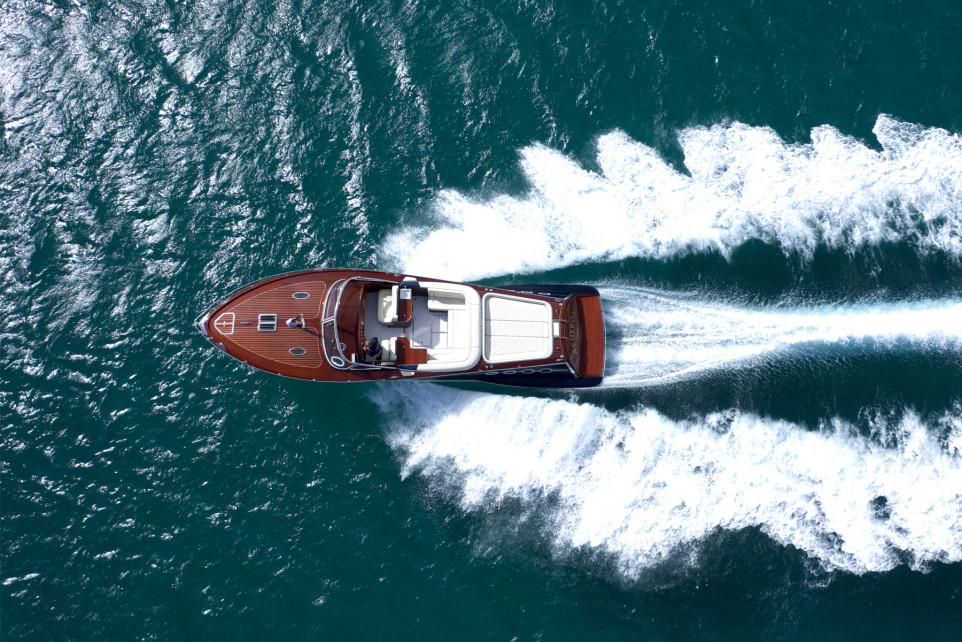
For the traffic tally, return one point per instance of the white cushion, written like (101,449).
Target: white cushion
(516,329)
(389,350)
(441,300)
(387,305)
(463,342)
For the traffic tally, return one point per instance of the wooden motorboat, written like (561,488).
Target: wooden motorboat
(314,325)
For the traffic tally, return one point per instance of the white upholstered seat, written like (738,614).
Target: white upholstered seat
(387,305)
(388,350)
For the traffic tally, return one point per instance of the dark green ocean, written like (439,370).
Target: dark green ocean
(768,195)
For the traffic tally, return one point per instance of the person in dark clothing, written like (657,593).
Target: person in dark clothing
(372,350)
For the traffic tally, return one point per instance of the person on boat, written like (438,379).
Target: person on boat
(296,322)
(372,350)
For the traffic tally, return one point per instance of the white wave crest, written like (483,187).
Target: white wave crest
(745,183)
(639,487)
(660,337)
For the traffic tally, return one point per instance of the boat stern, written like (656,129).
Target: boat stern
(586,338)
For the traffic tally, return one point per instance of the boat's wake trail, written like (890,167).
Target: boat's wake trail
(658,337)
(635,486)
(742,183)
(639,488)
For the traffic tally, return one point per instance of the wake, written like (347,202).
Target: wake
(639,487)
(636,486)
(659,337)
(743,183)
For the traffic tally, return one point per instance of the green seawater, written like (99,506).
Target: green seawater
(767,194)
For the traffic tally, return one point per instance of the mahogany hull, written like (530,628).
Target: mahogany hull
(540,335)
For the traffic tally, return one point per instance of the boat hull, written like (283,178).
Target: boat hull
(533,335)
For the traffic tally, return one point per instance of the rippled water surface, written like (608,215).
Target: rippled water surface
(768,196)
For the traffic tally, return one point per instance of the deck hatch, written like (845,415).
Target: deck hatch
(298,351)
(516,329)
(301,295)
(267,323)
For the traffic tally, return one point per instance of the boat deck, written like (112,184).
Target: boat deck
(258,324)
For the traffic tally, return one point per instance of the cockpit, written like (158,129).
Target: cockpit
(426,326)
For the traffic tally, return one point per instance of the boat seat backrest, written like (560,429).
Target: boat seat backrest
(387,305)
(442,300)
(388,350)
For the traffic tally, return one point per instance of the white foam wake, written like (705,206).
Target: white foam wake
(639,487)
(659,337)
(745,183)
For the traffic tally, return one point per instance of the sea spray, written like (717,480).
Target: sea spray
(738,183)
(637,486)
